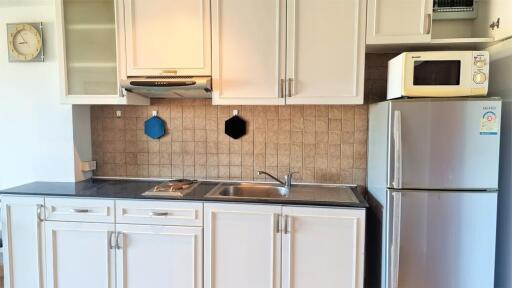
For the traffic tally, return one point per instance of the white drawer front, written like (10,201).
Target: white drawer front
(81,210)
(159,213)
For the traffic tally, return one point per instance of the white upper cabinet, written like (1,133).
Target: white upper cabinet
(399,21)
(87,53)
(22,235)
(288,52)
(325,51)
(167,37)
(248,51)
(423,22)
(323,247)
(500,9)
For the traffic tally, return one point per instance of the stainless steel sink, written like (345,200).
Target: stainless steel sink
(248,190)
(298,192)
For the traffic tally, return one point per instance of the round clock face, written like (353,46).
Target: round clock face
(25,42)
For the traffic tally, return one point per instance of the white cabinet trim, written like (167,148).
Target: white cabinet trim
(190,232)
(280,50)
(38,204)
(357,218)
(129,53)
(211,210)
(52,227)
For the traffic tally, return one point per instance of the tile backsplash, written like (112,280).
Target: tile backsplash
(326,144)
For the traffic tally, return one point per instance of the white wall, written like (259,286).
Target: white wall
(36,131)
(501,85)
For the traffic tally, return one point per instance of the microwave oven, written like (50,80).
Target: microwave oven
(438,74)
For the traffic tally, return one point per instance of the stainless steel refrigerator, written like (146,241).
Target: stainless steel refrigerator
(433,167)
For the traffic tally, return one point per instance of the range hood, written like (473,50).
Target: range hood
(169,86)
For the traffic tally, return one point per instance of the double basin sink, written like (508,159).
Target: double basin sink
(299,192)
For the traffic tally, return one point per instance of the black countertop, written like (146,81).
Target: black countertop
(134,189)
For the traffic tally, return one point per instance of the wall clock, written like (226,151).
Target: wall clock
(25,41)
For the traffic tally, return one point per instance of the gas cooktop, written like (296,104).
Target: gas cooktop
(173,188)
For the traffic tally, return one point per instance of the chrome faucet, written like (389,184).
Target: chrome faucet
(287,183)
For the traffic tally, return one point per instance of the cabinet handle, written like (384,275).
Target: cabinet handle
(39,210)
(287,224)
(110,240)
(282,88)
(119,240)
(495,24)
(278,223)
(428,23)
(159,214)
(290,87)
(80,210)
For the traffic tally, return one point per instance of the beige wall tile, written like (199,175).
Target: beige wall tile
(224,159)
(235,172)
(165,171)
(212,172)
(322,124)
(296,137)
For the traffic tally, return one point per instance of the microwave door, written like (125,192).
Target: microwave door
(440,144)
(436,73)
(440,239)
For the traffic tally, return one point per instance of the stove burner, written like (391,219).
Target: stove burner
(177,188)
(174,185)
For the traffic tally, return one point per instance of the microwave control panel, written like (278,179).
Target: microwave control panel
(480,68)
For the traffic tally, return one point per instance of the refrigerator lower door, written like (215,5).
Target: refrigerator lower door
(444,144)
(441,239)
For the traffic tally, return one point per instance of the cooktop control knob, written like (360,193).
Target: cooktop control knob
(479,77)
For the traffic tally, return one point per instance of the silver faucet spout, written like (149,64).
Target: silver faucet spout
(287,183)
(271,176)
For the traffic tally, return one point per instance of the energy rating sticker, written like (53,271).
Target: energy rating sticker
(489,124)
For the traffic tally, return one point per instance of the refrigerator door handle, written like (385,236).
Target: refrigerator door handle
(397,137)
(395,238)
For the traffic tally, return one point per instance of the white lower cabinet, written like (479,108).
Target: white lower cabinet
(79,255)
(249,246)
(242,246)
(323,247)
(159,256)
(245,245)
(23,243)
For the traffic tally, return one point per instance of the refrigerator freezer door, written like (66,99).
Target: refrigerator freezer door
(441,239)
(444,144)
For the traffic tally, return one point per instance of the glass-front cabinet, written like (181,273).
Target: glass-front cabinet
(88,54)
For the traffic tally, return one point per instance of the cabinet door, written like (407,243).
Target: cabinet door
(242,246)
(326,51)
(22,234)
(248,51)
(500,9)
(399,21)
(323,247)
(79,255)
(159,256)
(168,37)
(88,58)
